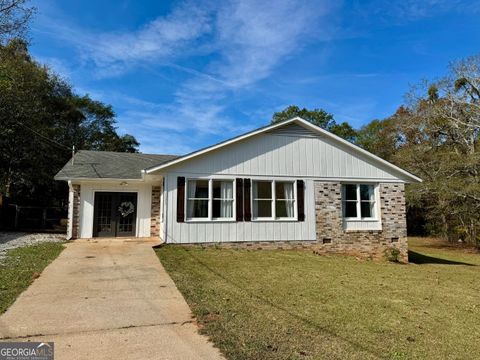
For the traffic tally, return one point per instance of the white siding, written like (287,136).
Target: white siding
(87,195)
(291,152)
(280,154)
(198,232)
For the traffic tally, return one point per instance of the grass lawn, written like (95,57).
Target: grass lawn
(21,266)
(281,304)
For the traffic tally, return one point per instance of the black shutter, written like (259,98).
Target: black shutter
(239,199)
(247,212)
(301,200)
(180,199)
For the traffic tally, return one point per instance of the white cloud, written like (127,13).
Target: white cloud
(114,52)
(255,36)
(246,41)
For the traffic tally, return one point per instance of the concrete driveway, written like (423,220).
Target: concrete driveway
(110,299)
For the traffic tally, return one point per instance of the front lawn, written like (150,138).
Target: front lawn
(21,266)
(281,304)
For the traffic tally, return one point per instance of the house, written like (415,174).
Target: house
(287,184)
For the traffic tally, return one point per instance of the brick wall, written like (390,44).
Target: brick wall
(75,212)
(365,244)
(155,212)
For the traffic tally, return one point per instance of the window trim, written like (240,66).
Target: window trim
(274,200)
(210,217)
(358,203)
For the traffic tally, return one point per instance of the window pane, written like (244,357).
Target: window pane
(284,190)
(262,208)
(350,208)
(366,192)
(197,208)
(350,192)
(367,209)
(222,209)
(222,189)
(197,189)
(284,209)
(262,190)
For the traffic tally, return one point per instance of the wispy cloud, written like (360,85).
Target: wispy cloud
(115,52)
(245,41)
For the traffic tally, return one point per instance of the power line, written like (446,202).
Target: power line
(44,137)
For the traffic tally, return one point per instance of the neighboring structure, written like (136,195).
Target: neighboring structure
(287,184)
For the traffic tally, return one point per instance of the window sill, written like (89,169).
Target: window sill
(274,220)
(360,220)
(210,221)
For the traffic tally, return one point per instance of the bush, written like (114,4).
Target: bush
(392,254)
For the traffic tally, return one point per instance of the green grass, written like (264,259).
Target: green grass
(280,304)
(21,266)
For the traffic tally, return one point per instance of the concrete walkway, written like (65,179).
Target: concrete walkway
(110,299)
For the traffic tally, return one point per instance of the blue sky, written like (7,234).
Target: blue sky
(185,74)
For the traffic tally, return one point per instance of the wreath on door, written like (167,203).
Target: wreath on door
(126,208)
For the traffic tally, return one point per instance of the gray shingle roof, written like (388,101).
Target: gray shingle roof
(109,165)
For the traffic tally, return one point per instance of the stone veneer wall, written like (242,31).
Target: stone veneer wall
(332,238)
(75,211)
(155,212)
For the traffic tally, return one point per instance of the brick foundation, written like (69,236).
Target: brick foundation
(75,218)
(155,212)
(332,238)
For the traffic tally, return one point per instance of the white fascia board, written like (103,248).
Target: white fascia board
(77,180)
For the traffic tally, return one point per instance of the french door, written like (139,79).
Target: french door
(115,214)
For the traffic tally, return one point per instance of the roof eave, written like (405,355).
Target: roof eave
(63,178)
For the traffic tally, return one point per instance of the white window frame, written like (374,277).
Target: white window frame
(210,199)
(274,200)
(358,202)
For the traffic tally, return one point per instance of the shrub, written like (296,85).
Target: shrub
(392,254)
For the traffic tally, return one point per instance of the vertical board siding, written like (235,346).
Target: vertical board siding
(202,232)
(144,202)
(276,155)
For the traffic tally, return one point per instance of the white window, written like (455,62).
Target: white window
(222,206)
(273,200)
(197,199)
(262,196)
(284,200)
(359,201)
(209,199)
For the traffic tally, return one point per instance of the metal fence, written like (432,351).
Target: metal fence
(18,217)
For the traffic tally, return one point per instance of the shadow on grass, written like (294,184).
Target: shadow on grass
(417,258)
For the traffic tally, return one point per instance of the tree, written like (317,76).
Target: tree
(380,137)
(438,134)
(41,118)
(317,117)
(14,18)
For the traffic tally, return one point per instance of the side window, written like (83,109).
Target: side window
(359,201)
